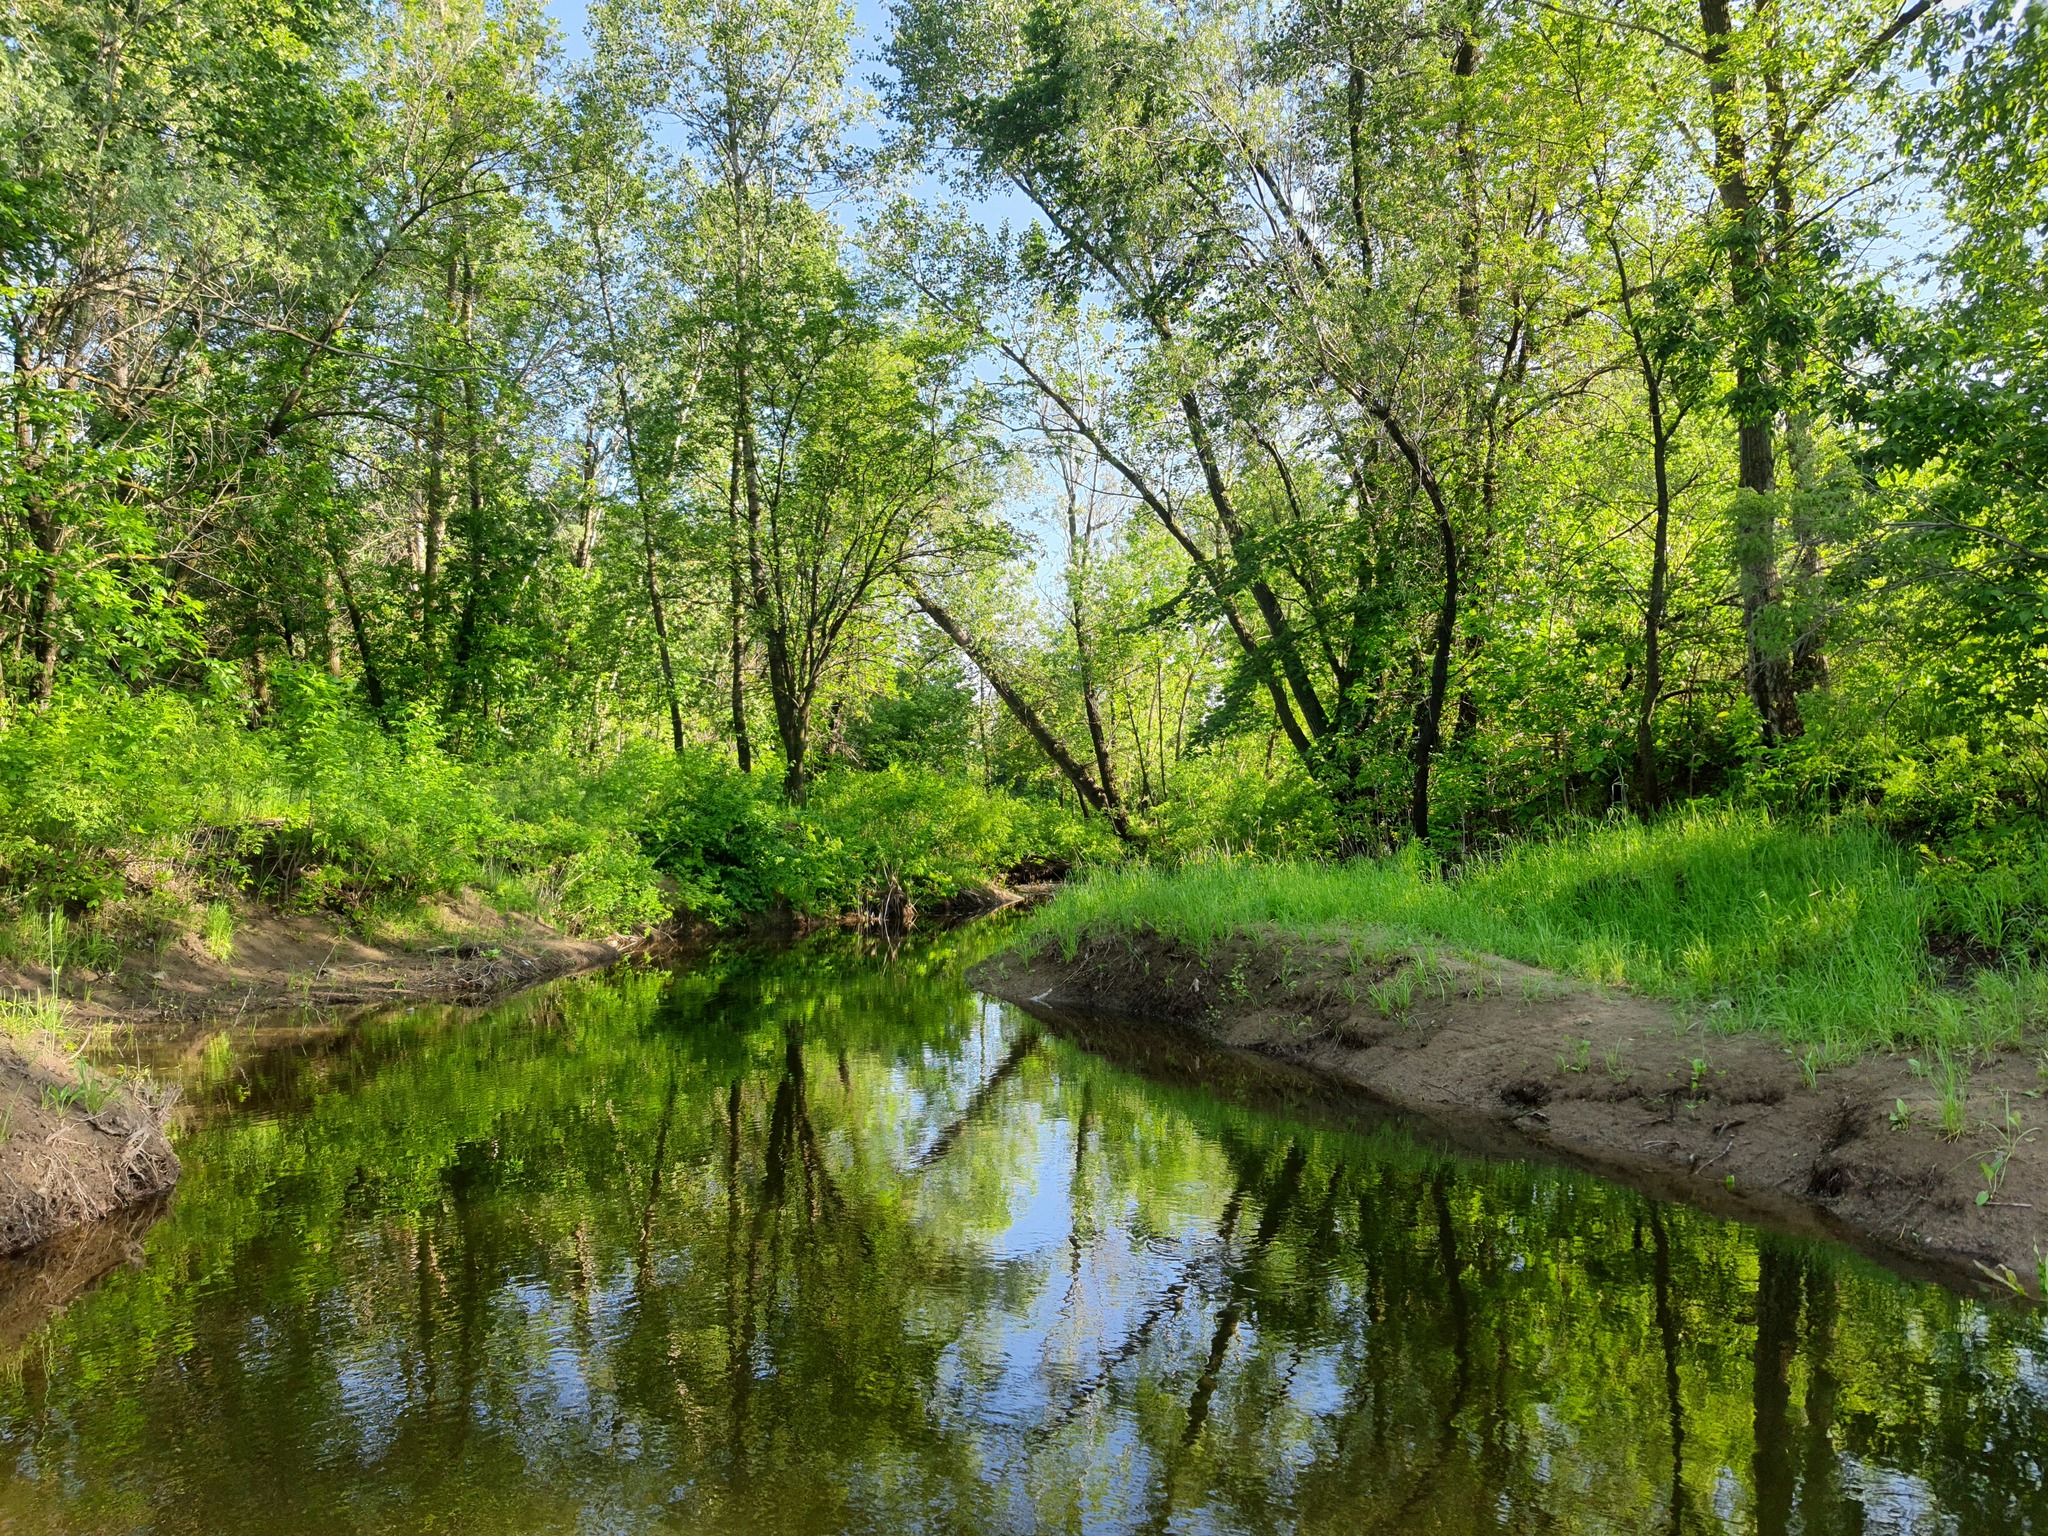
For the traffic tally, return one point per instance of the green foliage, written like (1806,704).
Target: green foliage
(1241,797)
(937,836)
(112,797)
(927,721)
(217,930)
(733,846)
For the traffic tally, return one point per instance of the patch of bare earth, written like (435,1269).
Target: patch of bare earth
(464,951)
(1497,1052)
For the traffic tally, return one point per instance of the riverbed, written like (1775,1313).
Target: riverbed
(814,1238)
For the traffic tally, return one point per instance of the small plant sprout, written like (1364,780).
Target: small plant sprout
(1395,994)
(1577,1058)
(1700,1067)
(1809,1066)
(1616,1068)
(91,1092)
(1951,1079)
(2011,1136)
(1902,1114)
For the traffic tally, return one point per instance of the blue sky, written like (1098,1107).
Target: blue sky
(871,33)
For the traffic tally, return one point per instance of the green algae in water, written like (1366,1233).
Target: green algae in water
(817,1240)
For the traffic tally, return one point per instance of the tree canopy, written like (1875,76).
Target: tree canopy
(1300,426)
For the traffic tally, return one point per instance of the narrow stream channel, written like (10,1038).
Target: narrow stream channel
(817,1240)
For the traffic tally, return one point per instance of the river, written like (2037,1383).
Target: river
(815,1239)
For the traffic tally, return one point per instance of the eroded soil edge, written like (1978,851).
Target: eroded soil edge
(74,1147)
(1624,1085)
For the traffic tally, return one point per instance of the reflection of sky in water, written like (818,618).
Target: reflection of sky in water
(970,1277)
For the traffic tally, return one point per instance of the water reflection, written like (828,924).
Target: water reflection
(815,1241)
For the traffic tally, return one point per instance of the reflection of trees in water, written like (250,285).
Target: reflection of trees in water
(727,1248)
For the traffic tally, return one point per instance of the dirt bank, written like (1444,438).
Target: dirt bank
(1513,1058)
(464,951)
(75,1145)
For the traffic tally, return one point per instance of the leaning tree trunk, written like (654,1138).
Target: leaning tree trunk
(1092,795)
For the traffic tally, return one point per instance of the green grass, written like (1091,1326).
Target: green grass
(1814,933)
(217,930)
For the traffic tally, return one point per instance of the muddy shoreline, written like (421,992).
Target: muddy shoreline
(76,1146)
(1508,1060)
(276,963)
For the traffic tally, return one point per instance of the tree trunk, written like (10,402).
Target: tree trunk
(1077,575)
(1279,632)
(328,619)
(464,687)
(743,747)
(435,530)
(373,685)
(586,542)
(1430,713)
(1809,667)
(1809,656)
(1647,788)
(1429,723)
(1478,403)
(1663,427)
(437,504)
(791,705)
(45,604)
(1755,518)
(654,603)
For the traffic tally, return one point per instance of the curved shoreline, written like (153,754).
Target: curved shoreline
(1510,1060)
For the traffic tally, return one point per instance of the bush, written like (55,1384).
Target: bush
(109,797)
(1237,797)
(733,847)
(935,836)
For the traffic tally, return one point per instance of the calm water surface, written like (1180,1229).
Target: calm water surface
(817,1240)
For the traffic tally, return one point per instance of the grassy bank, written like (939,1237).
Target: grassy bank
(130,818)
(1825,934)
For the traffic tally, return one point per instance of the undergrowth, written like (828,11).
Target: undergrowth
(132,819)
(1817,932)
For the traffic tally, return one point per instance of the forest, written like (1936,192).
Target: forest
(731,456)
